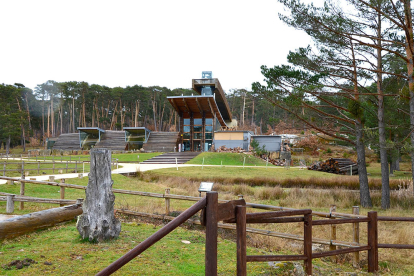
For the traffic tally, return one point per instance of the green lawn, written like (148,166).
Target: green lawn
(227,158)
(69,255)
(122,157)
(133,157)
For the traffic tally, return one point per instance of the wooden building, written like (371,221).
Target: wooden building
(202,114)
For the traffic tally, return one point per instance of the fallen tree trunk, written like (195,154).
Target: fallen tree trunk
(20,225)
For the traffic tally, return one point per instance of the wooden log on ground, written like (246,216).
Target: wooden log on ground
(20,225)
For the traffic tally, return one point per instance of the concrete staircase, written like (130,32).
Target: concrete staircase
(67,141)
(169,158)
(113,140)
(161,142)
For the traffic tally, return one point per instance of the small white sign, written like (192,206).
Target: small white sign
(206,186)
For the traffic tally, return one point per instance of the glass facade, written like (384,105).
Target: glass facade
(187,135)
(207,90)
(208,134)
(197,134)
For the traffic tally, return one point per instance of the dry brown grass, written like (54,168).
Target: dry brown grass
(316,199)
(268,193)
(337,182)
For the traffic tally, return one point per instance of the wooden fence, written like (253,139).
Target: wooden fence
(333,219)
(77,165)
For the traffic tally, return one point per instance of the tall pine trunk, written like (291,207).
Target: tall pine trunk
(364,194)
(409,49)
(385,179)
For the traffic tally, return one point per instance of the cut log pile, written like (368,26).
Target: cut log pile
(273,161)
(336,165)
(233,150)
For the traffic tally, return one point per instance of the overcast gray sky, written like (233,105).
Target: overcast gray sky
(158,42)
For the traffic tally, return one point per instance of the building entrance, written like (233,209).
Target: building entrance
(197,134)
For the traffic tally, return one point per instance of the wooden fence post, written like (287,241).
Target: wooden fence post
(167,202)
(62,191)
(211,234)
(76,166)
(241,240)
(307,243)
(355,211)
(10,204)
(66,166)
(4,168)
(333,234)
(373,241)
(22,187)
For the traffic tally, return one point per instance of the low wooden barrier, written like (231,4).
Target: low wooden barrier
(27,223)
(24,169)
(53,162)
(284,215)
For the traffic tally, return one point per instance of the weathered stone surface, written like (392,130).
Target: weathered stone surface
(98,222)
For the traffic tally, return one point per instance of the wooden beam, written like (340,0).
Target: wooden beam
(211,108)
(198,105)
(174,105)
(186,106)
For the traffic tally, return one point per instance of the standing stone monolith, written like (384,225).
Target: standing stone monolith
(98,222)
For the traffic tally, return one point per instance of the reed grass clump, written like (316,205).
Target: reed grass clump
(269,193)
(337,182)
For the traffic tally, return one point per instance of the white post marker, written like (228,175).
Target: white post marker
(267,161)
(138,158)
(205,187)
(244,161)
(351,169)
(176,163)
(117,163)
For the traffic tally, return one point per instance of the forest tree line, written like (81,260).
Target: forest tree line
(53,108)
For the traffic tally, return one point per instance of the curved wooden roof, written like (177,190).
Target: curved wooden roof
(220,97)
(196,105)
